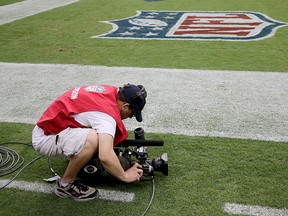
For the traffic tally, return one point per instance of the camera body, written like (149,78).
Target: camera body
(129,152)
(149,166)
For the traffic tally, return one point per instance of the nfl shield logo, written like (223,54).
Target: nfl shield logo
(232,26)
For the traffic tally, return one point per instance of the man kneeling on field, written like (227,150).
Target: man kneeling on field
(84,121)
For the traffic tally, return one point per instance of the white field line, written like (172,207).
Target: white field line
(26,8)
(49,188)
(237,104)
(239,209)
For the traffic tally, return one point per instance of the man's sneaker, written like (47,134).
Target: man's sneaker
(77,191)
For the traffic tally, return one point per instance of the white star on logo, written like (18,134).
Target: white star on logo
(127,33)
(149,17)
(157,28)
(151,34)
(153,13)
(169,17)
(135,28)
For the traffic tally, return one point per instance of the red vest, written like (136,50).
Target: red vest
(102,98)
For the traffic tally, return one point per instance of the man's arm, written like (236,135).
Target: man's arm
(111,162)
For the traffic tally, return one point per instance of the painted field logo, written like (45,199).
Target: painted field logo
(235,26)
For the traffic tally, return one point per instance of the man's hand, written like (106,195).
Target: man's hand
(111,162)
(134,173)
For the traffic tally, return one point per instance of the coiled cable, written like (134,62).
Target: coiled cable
(11,161)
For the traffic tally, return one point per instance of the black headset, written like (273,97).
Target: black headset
(139,96)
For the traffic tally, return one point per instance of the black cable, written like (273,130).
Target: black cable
(10,161)
(13,161)
(50,167)
(16,143)
(152,183)
(24,167)
(152,197)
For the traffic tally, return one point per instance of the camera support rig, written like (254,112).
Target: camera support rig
(94,170)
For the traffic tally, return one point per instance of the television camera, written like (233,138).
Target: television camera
(129,151)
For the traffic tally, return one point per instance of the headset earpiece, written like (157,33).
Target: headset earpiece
(140,95)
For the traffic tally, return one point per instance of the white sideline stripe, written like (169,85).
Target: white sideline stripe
(237,104)
(49,188)
(252,210)
(20,10)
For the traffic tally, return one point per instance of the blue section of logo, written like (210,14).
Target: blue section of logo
(194,26)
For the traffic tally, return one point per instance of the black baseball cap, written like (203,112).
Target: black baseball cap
(135,95)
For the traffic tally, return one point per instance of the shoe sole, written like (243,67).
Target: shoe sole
(64,195)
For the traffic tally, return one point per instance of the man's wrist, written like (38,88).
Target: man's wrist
(125,177)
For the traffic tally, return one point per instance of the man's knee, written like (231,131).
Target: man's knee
(92,140)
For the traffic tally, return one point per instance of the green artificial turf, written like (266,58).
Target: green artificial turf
(204,174)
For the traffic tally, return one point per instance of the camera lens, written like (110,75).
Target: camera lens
(161,164)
